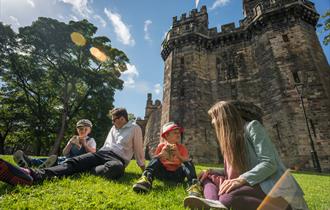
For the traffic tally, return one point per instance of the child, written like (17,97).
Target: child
(77,145)
(171,162)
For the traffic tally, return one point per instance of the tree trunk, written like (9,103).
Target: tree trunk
(60,135)
(38,144)
(2,144)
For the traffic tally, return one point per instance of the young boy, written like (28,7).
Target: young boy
(77,145)
(171,162)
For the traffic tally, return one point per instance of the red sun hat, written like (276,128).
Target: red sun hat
(170,126)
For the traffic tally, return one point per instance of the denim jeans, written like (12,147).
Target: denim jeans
(104,163)
(156,169)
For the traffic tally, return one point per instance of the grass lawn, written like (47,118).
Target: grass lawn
(91,192)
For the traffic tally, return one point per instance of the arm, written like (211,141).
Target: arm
(182,153)
(265,152)
(138,147)
(68,146)
(160,151)
(90,145)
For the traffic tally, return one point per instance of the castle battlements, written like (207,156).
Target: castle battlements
(194,27)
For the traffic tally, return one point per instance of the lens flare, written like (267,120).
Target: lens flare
(283,186)
(98,54)
(78,39)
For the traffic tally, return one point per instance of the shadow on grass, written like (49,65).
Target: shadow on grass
(6,188)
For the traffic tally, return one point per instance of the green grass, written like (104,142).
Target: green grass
(91,192)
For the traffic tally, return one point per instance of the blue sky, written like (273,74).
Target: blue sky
(135,26)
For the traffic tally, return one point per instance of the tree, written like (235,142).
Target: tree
(326,27)
(60,80)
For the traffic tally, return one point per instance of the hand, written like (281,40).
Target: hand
(231,184)
(203,175)
(74,140)
(162,153)
(82,140)
(174,150)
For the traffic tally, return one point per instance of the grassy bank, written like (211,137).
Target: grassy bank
(91,192)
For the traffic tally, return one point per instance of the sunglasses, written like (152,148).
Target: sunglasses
(114,119)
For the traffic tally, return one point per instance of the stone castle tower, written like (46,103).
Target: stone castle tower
(271,54)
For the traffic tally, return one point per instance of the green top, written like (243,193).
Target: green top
(266,168)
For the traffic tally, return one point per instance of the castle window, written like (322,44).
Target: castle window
(296,77)
(285,38)
(182,92)
(233,90)
(182,60)
(231,72)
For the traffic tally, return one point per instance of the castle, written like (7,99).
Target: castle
(273,59)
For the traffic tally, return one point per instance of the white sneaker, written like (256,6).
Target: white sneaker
(21,159)
(199,203)
(51,161)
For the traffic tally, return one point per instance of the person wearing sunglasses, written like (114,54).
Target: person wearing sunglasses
(123,141)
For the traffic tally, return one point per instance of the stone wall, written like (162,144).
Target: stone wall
(272,54)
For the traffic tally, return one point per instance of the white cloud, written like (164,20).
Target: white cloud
(61,17)
(80,7)
(147,23)
(219,3)
(101,20)
(130,75)
(14,21)
(121,29)
(196,3)
(157,89)
(72,17)
(31,2)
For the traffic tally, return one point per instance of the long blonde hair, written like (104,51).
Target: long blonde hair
(229,128)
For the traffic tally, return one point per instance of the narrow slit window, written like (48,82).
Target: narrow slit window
(285,38)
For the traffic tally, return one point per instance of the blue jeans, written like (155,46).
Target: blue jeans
(39,161)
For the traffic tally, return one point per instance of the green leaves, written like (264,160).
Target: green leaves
(58,80)
(325,27)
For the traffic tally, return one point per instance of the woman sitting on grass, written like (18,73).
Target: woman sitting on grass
(251,167)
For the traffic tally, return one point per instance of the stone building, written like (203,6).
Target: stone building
(271,59)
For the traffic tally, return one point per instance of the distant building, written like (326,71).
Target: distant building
(274,50)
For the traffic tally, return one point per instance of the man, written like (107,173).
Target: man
(123,140)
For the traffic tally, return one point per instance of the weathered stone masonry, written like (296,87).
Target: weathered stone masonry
(274,48)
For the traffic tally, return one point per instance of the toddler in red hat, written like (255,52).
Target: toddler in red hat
(171,162)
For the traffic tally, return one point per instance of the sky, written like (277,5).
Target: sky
(137,27)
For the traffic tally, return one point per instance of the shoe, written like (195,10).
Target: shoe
(21,159)
(193,202)
(195,189)
(51,161)
(13,175)
(143,185)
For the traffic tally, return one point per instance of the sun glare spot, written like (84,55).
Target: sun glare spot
(78,39)
(98,54)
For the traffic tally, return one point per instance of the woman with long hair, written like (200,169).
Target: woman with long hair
(253,176)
